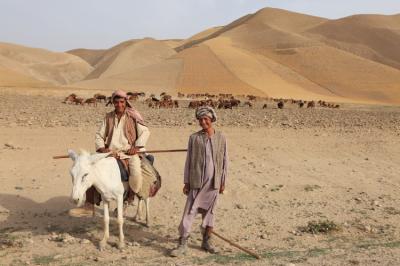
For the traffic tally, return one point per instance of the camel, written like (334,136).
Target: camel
(102,172)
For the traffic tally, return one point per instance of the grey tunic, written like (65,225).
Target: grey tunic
(202,200)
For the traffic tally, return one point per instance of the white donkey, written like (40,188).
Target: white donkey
(102,173)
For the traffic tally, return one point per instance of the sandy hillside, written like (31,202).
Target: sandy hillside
(137,55)
(92,56)
(374,37)
(287,168)
(9,78)
(56,68)
(203,69)
(273,52)
(337,71)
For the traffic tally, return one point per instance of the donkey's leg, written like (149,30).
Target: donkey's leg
(148,222)
(103,242)
(139,210)
(120,207)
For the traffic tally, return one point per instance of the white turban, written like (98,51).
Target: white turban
(206,111)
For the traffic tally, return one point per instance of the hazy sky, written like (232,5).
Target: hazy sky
(66,24)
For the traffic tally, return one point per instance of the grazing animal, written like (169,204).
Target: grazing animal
(166,103)
(235,103)
(194,104)
(70,98)
(225,105)
(249,104)
(91,101)
(264,106)
(100,97)
(301,104)
(78,101)
(280,105)
(133,96)
(311,104)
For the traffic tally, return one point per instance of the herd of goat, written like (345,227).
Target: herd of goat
(220,101)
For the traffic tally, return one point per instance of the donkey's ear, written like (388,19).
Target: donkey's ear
(72,155)
(94,158)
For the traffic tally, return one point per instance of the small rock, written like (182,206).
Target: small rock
(357,199)
(58,256)
(239,206)
(84,241)
(29,241)
(9,146)
(376,203)
(367,228)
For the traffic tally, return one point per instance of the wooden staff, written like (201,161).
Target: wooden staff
(237,246)
(153,151)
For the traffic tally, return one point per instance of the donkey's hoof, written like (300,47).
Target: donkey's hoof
(121,245)
(102,245)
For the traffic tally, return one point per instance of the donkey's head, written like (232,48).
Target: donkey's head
(82,174)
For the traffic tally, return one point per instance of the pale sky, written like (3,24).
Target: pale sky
(61,25)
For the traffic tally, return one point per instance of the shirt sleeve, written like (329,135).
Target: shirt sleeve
(100,136)
(143,135)
(186,178)
(225,165)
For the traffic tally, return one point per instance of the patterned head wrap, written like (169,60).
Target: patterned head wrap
(206,111)
(130,110)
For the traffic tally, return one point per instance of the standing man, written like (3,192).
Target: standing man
(122,132)
(204,178)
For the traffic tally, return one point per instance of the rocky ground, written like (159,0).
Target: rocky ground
(305,187)
(34,110)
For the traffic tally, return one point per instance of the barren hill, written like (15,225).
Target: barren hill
(44,65)
(272,52)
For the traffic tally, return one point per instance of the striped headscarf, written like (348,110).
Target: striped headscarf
(206,111)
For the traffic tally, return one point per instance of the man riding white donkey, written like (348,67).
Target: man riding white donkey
(123,134)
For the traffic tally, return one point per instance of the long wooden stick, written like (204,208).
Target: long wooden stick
(153,151)
(237,246)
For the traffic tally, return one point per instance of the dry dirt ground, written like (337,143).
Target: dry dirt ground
(287,168)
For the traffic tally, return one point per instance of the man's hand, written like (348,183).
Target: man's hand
(186,189)
(103,150)
(221,189)
(132,151)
